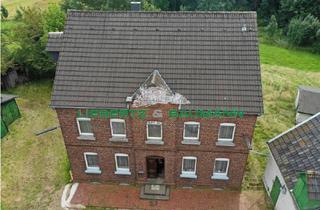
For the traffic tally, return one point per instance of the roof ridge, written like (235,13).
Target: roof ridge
(73,11)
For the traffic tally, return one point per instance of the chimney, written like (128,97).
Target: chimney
(135,5)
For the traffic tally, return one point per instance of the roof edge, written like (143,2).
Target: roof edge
(294,127)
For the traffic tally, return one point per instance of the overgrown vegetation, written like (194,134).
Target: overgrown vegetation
(23,43)
(33,169)
(279,93)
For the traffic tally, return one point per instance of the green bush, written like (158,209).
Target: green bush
(4,12)
(303,31)
(272,29)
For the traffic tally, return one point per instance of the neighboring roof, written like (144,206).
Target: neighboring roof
(308,100)
(297,149)
(54,43)
(6,97)
(211,58)
(313,182)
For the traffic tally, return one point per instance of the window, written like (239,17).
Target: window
(191,130)
(226,132)
(220,170)
(84,126)
(118,127)
(154,130)
(122,164)
(189,167)
(92,164)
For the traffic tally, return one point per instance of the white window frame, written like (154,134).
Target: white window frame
(79,129)
(223,176)
(90,169)
(121,121)
(189,174)
(184,130)
(234,130)
(155,123)
(121,171)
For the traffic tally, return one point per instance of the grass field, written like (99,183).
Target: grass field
(34,169)
(279,92)
(13,5)
(300,60)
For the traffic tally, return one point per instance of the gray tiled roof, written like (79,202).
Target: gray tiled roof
(308,100)
(6,97)
(298,149)
(211,58)
(54,41)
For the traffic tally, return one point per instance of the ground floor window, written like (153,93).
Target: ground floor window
(189,167)
(122,164)
(220,170)
(92,163)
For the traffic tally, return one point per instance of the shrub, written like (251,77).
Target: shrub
(272,29)
(4,12)
(303,31)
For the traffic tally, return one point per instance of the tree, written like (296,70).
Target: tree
(148,6)
(272,29)
(95,5)
(54,18)
(4,12)
(303,31)
(216,5)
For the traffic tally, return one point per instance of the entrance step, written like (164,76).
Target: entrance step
(155,192)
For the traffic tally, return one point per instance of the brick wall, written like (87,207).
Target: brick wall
(172,150)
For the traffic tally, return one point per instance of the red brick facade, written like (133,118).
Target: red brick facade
(172,150)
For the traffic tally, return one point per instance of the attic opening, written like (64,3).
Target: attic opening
(155,90)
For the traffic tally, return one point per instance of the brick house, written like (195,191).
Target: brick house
(141,96)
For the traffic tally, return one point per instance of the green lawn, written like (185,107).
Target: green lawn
(34,169)
(300,60)
(13,5)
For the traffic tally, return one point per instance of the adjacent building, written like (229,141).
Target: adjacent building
(165,96)
(292,176)
(307,103)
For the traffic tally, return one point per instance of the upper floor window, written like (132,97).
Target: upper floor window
(220,170)
(191,132)
(122,164)
(226,132)
(84,126)
(154,130)
(118,127)
(92,163)
(189,165)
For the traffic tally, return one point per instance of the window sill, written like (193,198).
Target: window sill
(93,171)
(118,139)
(86,137)
(225,143)
(220,177)
(122,172)
(192,142)
(189,176)
(152,141)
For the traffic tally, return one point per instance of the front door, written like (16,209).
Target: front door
(155,167)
